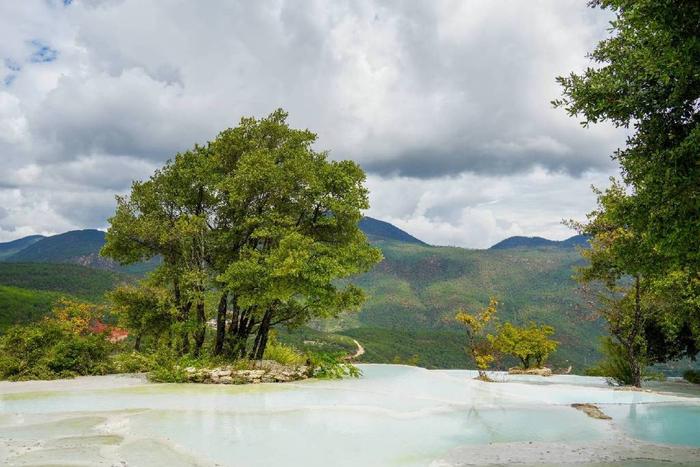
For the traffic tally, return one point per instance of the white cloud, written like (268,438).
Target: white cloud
(445,103)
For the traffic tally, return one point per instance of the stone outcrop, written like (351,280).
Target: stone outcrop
(530,371)
(592,411)
(265,371)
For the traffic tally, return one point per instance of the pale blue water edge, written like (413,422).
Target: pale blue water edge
(393,415)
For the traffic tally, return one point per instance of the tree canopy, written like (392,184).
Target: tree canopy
(529,344)
(257,216)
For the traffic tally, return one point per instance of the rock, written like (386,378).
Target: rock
(265,371)
(592,411)
(530,371)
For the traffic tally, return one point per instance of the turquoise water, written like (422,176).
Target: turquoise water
(660,423)
(392,416)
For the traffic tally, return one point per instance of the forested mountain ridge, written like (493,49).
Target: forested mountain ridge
(8,249)
(376,230)
(539,242)
(76,246)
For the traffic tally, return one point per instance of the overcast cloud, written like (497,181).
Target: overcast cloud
(444,103)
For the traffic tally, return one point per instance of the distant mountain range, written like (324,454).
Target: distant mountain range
(11,248)
(411,296)
(76,246)
(375,229)
(83,246)
(539,242)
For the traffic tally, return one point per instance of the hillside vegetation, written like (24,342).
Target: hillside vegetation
(71,279)
(18,306)
(415,291)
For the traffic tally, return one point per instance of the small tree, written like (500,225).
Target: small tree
(527,344)
(478,345)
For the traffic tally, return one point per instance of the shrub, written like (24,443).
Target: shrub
(133,362)
(79,355)
(332,366)
(168,374)
(49,350)
(692,376)
(283,354)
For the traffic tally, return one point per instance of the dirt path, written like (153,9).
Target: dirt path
(360,351)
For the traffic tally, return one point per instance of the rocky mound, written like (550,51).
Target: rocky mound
(265,371)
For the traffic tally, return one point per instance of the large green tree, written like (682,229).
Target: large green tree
(288,228)
(647,78)
(260,218)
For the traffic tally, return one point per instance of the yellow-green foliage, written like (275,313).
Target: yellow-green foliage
(477,343)
(525,343)
(283,354)
(133,362)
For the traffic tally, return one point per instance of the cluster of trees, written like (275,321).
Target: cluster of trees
(645,233)
(255,229)
(529,344)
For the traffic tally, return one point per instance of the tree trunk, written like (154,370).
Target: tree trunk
(137,343)
(184,318)
(635,364)
(221,324)
(201,328)
(261,338)
(242,323)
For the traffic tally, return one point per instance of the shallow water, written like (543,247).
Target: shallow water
(392,416)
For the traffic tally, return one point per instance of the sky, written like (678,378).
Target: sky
(444,103)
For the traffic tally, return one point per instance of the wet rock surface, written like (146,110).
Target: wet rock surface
(592,411)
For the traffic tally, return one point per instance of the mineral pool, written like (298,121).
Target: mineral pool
(392,416)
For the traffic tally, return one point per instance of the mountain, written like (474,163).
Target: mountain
(8,249)
(377,230)
(77,246)
(83,247)
(576,240)
(539,242)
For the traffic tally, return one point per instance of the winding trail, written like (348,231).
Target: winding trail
(360,351)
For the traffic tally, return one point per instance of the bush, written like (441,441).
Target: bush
(283,354)
(48,350)
(133,362)
(332,366)
(79,355)
(168,374)
(692,376)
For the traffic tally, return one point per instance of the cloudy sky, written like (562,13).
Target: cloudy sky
(444,103)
